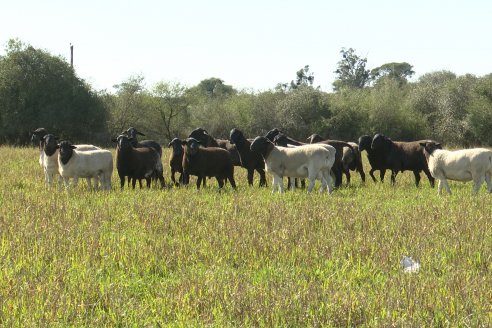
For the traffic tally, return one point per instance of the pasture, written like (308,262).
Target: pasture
(182,257)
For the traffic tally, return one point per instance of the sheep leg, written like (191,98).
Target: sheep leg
(199,181)
(220,181)
(381,175)
(430,177)
(89,184)
(277,183)
(232,181)
(263,182)
(393,176)
(148,180)
(477,183)
(488,179)
(303,183)
(250,176)
(173,179)
(417,177)
(328,181)
(75,181)
(347,175)
(293,183)
(360,169)
(134,181)
(443,182)
(312,180)
(371,173)
(122,182)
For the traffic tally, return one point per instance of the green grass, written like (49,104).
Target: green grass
(182,257)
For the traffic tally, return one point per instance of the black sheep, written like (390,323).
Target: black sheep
(402,156)
(249,160)
(137,163)
(207,162)
(207,140)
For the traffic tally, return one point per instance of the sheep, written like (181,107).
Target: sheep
(351,158)
(176,160)
(207,140)
(137,163)
(207,162)
(402,156)
(132,132)
(459,165)
(249,160)
(306,161)
(375,157)
(97,164)
(337,168)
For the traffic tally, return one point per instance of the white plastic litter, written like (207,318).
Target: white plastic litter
(409,265)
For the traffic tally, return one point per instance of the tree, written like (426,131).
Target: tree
(397,71)
(171,104)
(303,78)
(351,71)
(41,90)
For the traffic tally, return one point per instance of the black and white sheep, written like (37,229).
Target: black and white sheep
(90,164)
(137,163)
(307,161)
(459,165)
(250,160)
(207,162)
(176,160)
(351,158)
(400,156)
(207,140)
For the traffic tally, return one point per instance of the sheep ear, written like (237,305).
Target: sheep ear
(183,142)
(422,144)
(438,145)
(73,147)
(57,146)
(140,133)
(169,145)
(205,131)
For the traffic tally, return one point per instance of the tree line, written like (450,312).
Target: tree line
(38,89)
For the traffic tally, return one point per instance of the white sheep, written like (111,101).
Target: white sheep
(459,165)
(97,164)
(308,161)
(48,158)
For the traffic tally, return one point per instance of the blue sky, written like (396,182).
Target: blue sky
(250,44)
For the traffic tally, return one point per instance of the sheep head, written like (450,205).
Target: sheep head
(364,142)
(236,137)
(123,142)
(380,142)
(429,147)
(201,135)
(177,146)
(191,146)
(50,144)
(132,132)
(262,146)
(314,138)
(38,135)
(271,134)
(66,151)
(280,140)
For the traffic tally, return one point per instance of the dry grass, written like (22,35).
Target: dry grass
(183,257)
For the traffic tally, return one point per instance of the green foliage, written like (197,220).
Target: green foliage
(41,90)
(397,71)
(351,71)
(243,258)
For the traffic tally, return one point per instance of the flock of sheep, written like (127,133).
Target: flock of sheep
(203,156)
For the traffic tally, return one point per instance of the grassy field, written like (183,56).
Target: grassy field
(182,257)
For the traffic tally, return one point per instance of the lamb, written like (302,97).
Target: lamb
(399,156)
(207,162)
(376,158)
(249,160)
(351,158)
(97,164)
(459,165)
(207,140)
(137,163)
(307,161)
(176,160)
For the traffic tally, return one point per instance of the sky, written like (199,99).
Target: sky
(251,45)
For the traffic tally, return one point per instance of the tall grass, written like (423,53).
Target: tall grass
(183,257)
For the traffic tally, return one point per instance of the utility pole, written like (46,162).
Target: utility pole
(71,55)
